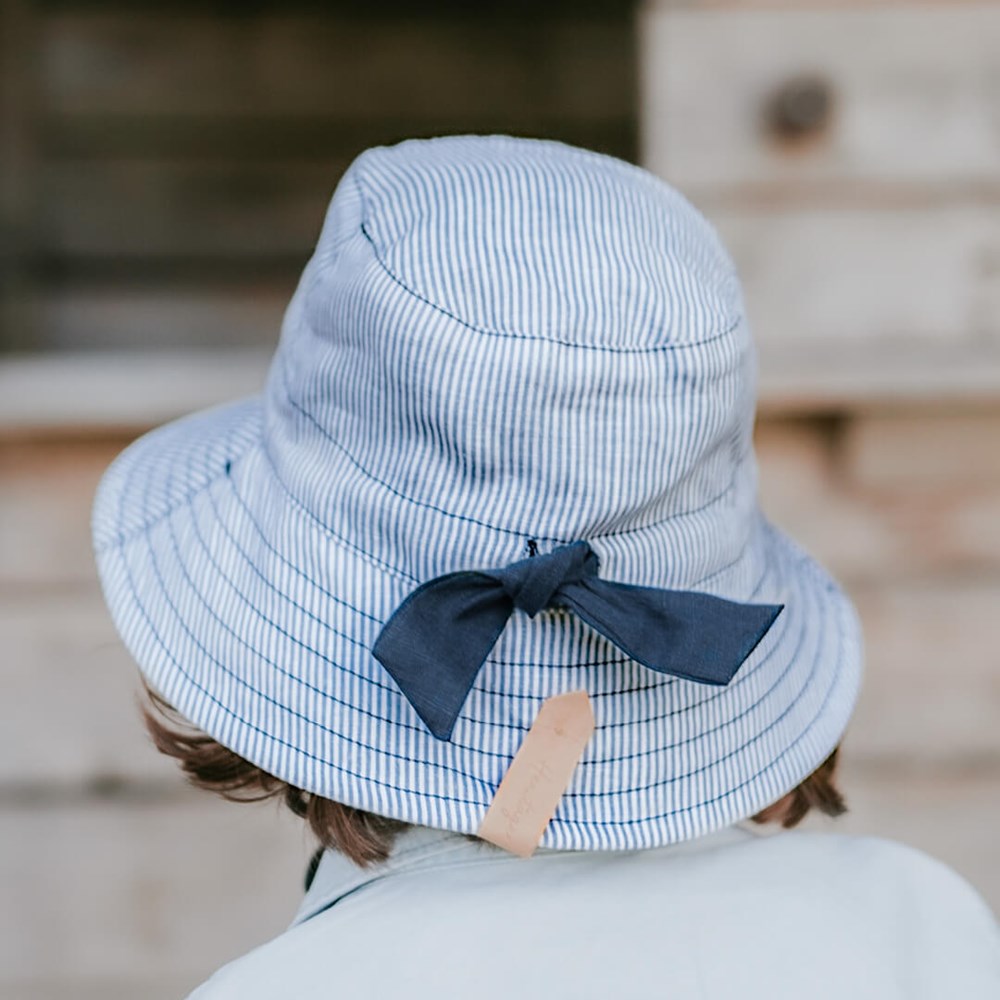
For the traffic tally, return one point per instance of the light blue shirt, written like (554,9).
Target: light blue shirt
(735,914)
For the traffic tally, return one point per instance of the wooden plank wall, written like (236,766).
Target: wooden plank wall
(176,159)
(849,156)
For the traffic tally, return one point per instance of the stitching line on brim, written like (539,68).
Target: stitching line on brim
(835,674)
(289,637)
(129,455)
(140,607)
(286,709)
(722,725)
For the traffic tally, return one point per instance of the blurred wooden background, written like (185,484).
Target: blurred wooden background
(163,175)
(168,164)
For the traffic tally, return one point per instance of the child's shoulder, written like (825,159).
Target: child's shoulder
(908,922)
(875,867)
(862,851)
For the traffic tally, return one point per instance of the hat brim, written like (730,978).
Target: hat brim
(256,623)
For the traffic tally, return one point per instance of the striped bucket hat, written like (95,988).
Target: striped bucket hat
(517,375)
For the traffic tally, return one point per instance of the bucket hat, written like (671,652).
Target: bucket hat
(501,350)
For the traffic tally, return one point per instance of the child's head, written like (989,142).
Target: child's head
(504,453)
(365,837)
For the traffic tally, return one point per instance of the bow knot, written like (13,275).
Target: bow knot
(533,583)
(435,642)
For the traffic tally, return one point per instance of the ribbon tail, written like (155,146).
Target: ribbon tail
(435,642)
(698,637)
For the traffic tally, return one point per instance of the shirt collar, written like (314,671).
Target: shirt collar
(418,848)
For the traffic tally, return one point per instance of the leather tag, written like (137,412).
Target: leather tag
(538,775)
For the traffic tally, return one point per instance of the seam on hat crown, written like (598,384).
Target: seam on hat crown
(695,244)
(520,532)
(486,331)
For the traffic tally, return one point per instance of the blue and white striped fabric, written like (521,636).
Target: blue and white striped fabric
(496,341)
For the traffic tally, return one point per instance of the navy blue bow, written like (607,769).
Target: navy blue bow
(438,638)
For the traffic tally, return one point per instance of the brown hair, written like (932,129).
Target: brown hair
(364,837)
(818,792)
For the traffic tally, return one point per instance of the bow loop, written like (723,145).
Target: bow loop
(435,642)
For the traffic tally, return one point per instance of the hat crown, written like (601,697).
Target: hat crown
(503,339)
